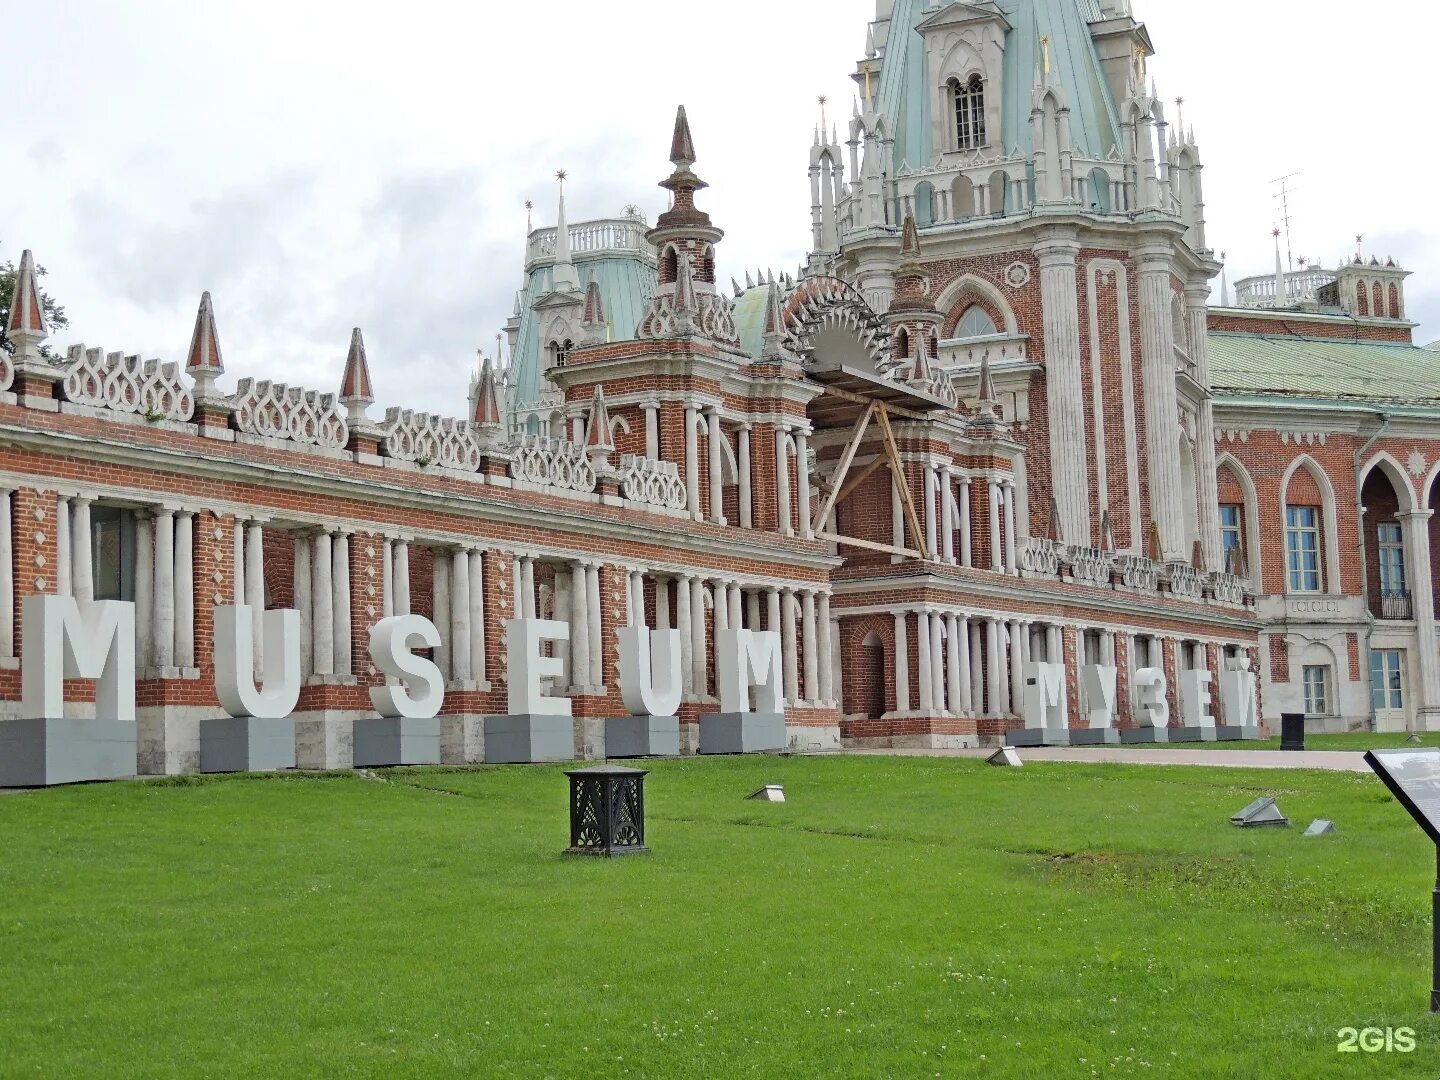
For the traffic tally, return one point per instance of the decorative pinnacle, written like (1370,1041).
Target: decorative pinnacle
(560,175)
(682,146)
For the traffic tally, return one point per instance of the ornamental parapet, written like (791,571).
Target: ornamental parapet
(126,384)
(428,439)
(271,410)
(552,463)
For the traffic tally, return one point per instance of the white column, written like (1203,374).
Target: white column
(772,609)
(965,694)
(238,561)
(810,646)
(687,639)
(924,657)
(743,479)
(164,638)
(752,609)
(595,614)
(1017,671)
(304,599)
(737,603)
(967,557)
(82,579)
(787,644)
(994,669)
(63,584)
(692,465)
(937,660)
(1065,398)
(931,537)
(1415,528)
(402,577)
(717,487)
(697,636)
(953,649)
(340,572)
(527,587)
(255,587)
(387,577)
(1012,562)
(997,549)
(802,482)
(321,605)
(977,667)
(782,479)
(1162,424)
(662,603)
(652,431)
(947,517)
(184,582)
(579,627)
(826,649)
(477,617)
(460,616)
(7,584)
(439,612)
(144,591)
(902,665)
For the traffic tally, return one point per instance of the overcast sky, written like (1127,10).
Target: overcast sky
(319,166)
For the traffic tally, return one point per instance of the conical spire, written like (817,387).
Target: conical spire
(920,371)
(987,383)
(685,308)
(356,394)
(487,403)
(1052,531)
(682,146)
(598,440)
(25,328)
(1197,556)
(1154,550)
(563,275)
(1224,282)
(910,239)
(203,362)
(985,419)
(592,321)
(774,330)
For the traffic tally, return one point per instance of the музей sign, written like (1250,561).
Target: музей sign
(64,638)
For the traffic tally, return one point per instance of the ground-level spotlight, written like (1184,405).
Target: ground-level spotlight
(768,793)
(1320,827)
(1006,755)
(1263,811)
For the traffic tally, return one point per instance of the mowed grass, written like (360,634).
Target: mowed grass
(895,918)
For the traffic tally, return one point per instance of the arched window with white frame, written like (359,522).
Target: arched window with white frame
(969,113)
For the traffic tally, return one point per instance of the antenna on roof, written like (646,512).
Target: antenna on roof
(1286,190)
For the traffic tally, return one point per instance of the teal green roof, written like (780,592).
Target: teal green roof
(1323,369)
(627,282)
(906,84)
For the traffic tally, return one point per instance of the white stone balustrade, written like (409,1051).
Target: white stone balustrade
(427,439)
(272,410)
(127,384)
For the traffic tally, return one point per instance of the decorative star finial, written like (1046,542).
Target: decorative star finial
(560,175)
(1275,233)
(631,210)
(529,205)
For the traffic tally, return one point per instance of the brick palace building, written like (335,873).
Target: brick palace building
(993,420)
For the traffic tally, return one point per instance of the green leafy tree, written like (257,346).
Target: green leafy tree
(54,313)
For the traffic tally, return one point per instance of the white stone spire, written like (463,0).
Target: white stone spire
(564,277)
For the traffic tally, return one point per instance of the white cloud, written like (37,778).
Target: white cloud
(323,165)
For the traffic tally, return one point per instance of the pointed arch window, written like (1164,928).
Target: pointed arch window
(969,113)
(976,323)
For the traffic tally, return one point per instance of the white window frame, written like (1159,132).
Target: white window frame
(1316,682)
(1300,578)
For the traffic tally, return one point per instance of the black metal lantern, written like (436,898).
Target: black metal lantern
(607,811)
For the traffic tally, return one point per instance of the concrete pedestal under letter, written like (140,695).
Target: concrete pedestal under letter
(69,750)
(397,740)
(1038,737)
(525,738)
(742,733)
(246,744)
(642,736)
(1105,736)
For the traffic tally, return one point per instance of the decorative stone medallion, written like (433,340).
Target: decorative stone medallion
(1017,275)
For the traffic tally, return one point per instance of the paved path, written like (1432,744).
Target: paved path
(1334,760)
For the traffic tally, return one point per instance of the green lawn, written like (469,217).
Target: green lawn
(897,917)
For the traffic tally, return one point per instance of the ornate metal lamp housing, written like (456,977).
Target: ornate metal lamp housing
(607,811)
